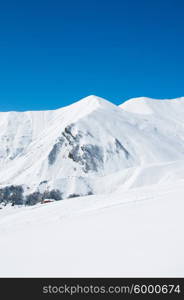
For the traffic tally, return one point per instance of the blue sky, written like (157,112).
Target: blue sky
(54,52)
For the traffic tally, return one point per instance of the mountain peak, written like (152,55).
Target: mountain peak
(86,104)
(92,99)
(96,101)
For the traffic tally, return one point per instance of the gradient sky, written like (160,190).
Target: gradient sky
(54,52)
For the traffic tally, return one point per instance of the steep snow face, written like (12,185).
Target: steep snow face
(19,129)
(72,148)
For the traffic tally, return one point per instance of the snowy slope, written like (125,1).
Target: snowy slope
(127,234)
(75,148)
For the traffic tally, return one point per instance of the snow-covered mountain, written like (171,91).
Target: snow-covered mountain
(91,146)
(130,157)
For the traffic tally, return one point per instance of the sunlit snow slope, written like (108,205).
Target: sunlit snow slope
(129,234)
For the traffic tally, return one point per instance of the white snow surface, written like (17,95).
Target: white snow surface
(137,233)
(131,157)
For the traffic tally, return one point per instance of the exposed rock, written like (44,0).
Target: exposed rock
(92,157)
(120,147)
(55,150)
